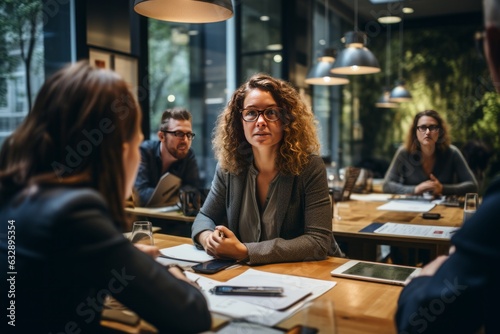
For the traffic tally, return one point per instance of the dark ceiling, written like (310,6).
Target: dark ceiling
(428,12)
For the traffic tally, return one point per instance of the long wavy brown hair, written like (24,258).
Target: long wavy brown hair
(412,144)
(300,138)
(74,136)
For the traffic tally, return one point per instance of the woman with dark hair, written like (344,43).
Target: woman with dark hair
(428,162)
(270,192)
(64,176)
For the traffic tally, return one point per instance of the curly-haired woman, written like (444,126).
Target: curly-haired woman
(269,198)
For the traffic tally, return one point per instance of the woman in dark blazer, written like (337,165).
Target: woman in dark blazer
(64,176)
(269,199)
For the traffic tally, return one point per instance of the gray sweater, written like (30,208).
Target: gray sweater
(303,215)
(450,168)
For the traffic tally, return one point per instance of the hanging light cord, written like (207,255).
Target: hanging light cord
(388,60)
(356,16)
(327,42)
(401,48)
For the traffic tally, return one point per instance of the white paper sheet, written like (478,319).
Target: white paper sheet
(170,208)
(373,197)
(186,252)
(407,206)
(441,232)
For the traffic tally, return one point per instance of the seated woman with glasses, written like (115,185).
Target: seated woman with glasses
(428,163)
(269,199)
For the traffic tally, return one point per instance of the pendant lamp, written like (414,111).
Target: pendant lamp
(383,101)
(186,11)
(355,58)
(320,73)
(400,93)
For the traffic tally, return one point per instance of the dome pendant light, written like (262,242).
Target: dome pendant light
(383,101)
(400,93)
(356,58)
(186,11)
(320,73)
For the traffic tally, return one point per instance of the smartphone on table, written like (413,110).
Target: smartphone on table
(212,266)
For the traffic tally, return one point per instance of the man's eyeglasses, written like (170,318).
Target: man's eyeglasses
(270,114)
(431,128)
(180,134)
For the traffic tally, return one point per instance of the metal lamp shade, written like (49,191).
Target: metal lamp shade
(186,11)
(355,59)
(384,101)
(400,93)
(320,73)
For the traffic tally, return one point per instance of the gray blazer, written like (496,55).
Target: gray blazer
(304,215)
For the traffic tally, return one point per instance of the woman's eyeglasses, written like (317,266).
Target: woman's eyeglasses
(180,134)
(270,114)
(431,128)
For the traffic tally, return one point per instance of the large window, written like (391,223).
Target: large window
(21,61)
(261,38)
(326,100)
(35,40)
(187,68)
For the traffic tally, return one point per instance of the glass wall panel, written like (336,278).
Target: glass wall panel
(187,67)
(30,34)
(326,100)
(261,38)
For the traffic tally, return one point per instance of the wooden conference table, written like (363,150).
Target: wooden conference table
(357,214)
(360,307)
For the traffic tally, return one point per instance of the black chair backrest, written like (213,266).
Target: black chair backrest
(351,175)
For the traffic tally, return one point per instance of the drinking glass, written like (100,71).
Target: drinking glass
(142,233)
(470,205)
(319,317)
(341,208)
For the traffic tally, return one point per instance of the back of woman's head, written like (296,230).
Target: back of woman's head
(74,134)
(443,142)
(300,138)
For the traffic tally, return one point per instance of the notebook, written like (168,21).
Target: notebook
(166,192)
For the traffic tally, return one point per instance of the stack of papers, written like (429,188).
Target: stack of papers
(184,255)
(373,197)
(263,310)
(407,206)
(186,252)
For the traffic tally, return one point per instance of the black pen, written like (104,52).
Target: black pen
(247,290)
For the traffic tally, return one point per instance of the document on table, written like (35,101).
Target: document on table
(264,310)
(170,208)
(407,206)
(373,197)
(427,231)
(186,252)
